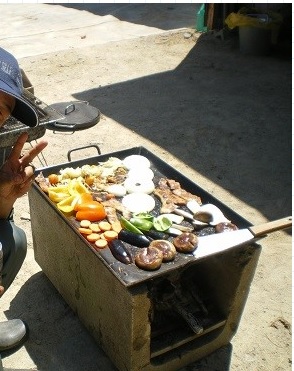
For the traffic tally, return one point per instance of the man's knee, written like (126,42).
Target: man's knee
(14,244)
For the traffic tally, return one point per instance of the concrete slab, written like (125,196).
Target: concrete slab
(34,29)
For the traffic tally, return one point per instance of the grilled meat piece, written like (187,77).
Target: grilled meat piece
(173,184)
(167,200)
(112,218)
(117,205)
(42,182)
(172,195)
(187,196)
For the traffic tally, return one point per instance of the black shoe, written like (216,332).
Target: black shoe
(12,334)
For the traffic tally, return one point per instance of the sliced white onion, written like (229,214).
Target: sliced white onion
(174,231)
(140,173)
(139,186)
(117,189)
(182,228)
(136,161)
(138,202)
(183,213)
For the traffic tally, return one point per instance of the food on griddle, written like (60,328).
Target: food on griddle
(104,226)
(161,223)
(126,224)
(182,228)
(210,214)
(225,227)
(193,206)
(138,202)
(91,210)
(85,230)
(59,193)
(179,191)
(94,227)
(156,235)
(85,223)
(93,237)
(174,218)
(141,223)
(109,235)
(112,218)
(53,178)
(168,200)
(120,251)
(172,195)
(129,201)
(136,161)
(94,231)
(149,258)
(140,173)
(43,182)
(117,205)
(89,179)
(185,242)
(166,247)
(111,214)
(134,239)
(118,190)
(101,244)
(138,185)
(67,204)
(203,217)
(83,198)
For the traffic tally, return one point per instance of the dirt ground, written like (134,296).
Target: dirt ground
(221,118)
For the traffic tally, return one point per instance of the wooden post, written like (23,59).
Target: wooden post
(210,16)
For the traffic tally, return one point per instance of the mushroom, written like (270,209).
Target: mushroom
(225,227)
(166,247)
(149,258)
(186,242)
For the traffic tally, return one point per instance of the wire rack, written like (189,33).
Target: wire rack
(12,128)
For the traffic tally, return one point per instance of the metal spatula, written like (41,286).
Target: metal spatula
(218,242)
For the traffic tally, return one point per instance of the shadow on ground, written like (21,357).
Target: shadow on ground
(224,114)
(162,16)
(58,340)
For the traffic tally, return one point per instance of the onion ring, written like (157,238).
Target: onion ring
(136,161)
(138,202)
(139,186)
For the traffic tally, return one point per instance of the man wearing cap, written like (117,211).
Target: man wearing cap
(16,177)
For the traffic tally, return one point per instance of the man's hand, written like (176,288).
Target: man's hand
(16,174)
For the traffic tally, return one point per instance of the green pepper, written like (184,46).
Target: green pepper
(129,226)
(162,223)
(145,216)
(142,224)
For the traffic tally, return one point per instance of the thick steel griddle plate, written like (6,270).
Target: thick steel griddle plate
(130,275)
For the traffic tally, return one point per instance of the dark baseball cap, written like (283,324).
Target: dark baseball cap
(11,83)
